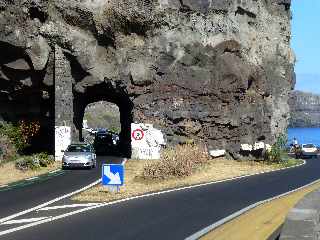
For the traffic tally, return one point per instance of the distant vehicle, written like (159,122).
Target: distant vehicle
(104,142)
(79,155)
(309,150)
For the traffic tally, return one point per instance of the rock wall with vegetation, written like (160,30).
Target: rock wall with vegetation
(305,109)
(217,71)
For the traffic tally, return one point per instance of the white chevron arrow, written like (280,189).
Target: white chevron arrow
(114,178)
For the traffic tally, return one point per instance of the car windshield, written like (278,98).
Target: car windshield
(79,148)
(309,146)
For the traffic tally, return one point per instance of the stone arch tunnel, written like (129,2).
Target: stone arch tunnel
(219,72)
(76,89)
(106,92)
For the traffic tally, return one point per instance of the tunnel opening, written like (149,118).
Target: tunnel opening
(108,95)
(101,127)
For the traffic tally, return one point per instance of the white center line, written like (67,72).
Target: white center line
(68,206)
(26,220)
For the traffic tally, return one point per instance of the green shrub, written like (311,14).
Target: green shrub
(8,151)
(44,159)
(34,162)
(27,163)
(277,152)
(15,135)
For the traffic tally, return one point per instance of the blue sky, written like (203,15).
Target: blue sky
(305,42)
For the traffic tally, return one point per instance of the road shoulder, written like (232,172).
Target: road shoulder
(267,218)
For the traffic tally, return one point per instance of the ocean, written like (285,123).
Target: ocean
(304,135)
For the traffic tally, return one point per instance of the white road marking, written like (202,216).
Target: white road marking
(26,220)
(2,186)
(68,206)
(54,200)
(32,178)
(48,203)
(138,197)
(54,171)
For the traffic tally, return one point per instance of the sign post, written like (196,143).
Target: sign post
(113,176)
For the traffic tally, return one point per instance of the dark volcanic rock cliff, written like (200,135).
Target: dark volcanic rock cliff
(305,109)
(219,71)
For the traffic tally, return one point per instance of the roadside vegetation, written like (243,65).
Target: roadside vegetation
(14,163)
(183,165)
(278,154)
(9,173)
(180,161)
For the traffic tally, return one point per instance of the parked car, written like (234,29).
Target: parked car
(309,150)
(79,155)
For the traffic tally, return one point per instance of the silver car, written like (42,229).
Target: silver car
(79,155)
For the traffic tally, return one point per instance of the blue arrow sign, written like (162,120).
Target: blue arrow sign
(112,174)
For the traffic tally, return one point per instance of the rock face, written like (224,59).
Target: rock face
(217,71)
(305,109)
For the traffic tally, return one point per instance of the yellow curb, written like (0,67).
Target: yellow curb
(260,222)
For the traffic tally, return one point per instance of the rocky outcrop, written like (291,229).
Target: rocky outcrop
(219,72)
(305,109)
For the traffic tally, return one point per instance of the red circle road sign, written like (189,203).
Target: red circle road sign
(137,134)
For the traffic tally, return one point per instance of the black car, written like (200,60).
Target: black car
(104,143)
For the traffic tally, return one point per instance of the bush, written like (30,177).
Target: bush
(14,133)
(44,159)
(29,129)
(180,161)
(27,163)
(7,149)
(21,134)
(277,152)
(34,162)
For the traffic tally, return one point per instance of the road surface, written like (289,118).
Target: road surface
(19,199)
(174,215)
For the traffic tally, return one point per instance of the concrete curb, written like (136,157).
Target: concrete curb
(303,221)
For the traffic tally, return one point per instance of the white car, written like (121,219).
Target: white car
(309,150)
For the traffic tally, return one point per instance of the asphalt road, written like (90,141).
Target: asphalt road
(174,215)
(18,199)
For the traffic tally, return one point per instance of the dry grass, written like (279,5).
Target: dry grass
(180,161)
(135,184)
(9,174)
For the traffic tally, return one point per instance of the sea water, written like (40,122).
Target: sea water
(304,135)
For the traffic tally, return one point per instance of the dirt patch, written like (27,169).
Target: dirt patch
(213,170)
(9,173)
